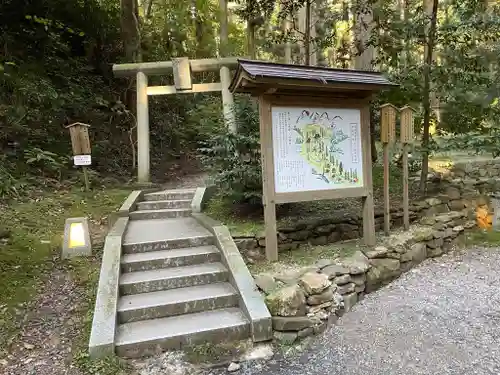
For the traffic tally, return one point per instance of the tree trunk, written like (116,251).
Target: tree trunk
(199,31)
(251,39)
(149,9)
(223,32)
(431,7)
(131,38)
(130,28)
(402,8)
(363,26)
(307,35)
(288,46)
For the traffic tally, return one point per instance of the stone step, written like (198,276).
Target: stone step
(167,195)
(160,205)
(163,234)
(174,302)
(169,258)
(171,278)
(177,243)
(148,337)
(160,214)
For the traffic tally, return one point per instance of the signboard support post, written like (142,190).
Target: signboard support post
(367,200)
(407,133)
(387,134)
(267,162)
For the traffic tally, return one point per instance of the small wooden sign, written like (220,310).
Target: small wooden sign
(407,125)
(388,123)
(80,141)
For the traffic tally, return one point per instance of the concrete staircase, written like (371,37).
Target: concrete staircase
(174,289)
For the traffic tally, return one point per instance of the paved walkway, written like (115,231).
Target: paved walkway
(440,318)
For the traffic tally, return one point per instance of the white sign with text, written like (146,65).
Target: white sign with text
(82,160)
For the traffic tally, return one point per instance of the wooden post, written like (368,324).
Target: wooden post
(407,133)
(80,143)
(85,146)
(367,201)
(266,154)
(387,133)
(143,163)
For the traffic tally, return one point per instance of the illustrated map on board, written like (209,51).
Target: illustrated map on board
(316,149)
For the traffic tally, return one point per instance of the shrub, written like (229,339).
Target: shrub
(233,160)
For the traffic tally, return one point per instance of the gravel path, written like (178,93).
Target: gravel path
(440,318)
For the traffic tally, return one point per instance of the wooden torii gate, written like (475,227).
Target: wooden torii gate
(182,69)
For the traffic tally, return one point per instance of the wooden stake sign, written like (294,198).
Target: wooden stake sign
(388,134)
(80,142)
(388,122)
(407,135)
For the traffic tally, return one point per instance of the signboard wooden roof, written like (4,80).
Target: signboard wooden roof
(258,77)
(77,124)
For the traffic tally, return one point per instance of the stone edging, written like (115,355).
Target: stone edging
(102,336)
(130,204)
(306,301)
(201,197)
(251,301)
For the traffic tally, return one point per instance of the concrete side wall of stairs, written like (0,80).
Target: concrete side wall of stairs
(181,281)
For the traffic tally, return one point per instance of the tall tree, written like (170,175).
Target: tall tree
(130,27)
(365,52)
(363,27)
(431,8)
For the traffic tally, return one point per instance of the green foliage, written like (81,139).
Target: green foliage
(56,70)
(475,142)
(102,366)
(234,159)
(9,185)
(45,161)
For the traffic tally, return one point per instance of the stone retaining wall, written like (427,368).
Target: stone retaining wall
(475,169)
(304,302)
(464,186)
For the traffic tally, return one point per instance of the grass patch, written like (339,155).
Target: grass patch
(484,238)
(396,179)
(103,366)
(221,353)
(219,209)
(34,230)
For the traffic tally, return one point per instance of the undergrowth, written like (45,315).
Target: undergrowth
(32,232)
